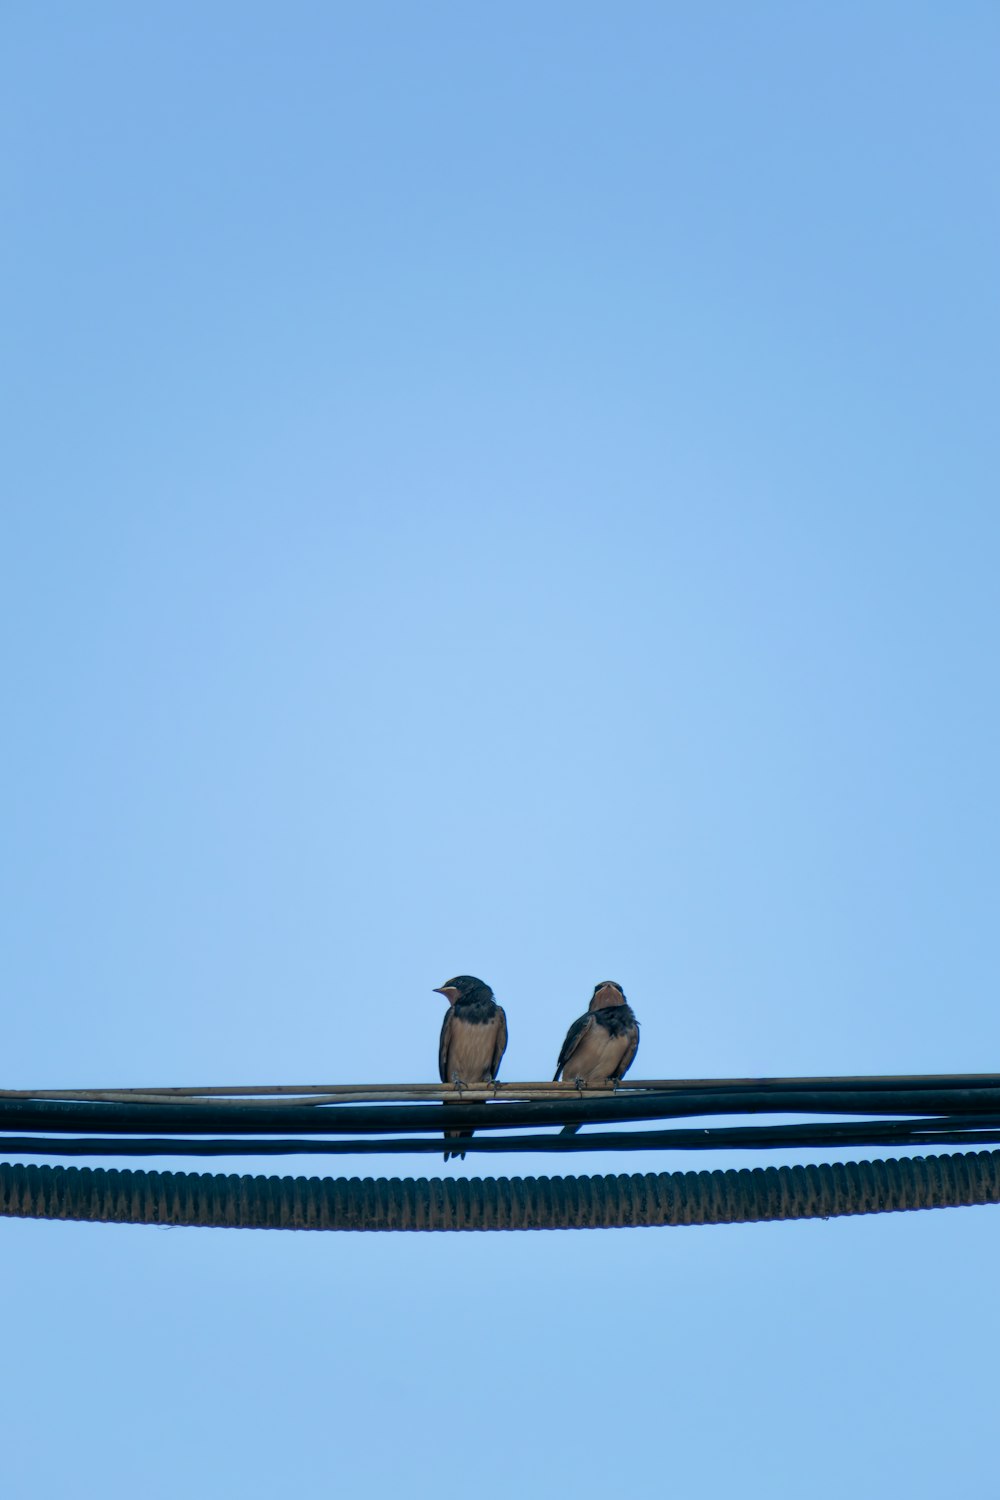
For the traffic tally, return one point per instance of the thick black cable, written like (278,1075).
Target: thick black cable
(952,1130)
(372,1119)
(640,1200)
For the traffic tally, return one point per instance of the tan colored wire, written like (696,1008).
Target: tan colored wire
(387,1093)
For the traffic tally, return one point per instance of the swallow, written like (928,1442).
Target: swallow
(473,1040)
(600,1046)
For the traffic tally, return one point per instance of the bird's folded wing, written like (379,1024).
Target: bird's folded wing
(629,1058)
(500,1041)
(574,1037)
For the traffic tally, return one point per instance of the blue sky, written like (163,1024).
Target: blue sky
(505,490)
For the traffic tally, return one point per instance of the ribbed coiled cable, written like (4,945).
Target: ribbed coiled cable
(391,1203)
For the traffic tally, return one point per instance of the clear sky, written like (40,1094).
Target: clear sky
(504,489)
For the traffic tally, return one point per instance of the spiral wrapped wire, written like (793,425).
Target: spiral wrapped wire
(601,1202)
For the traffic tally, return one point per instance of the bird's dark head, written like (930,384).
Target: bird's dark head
(606,993)
(464,987)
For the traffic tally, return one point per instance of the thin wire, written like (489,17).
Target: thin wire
(403,1092)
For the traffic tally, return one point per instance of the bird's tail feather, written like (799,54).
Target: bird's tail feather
(567,1129)
(455,1135)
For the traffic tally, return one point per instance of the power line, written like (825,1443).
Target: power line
(666,1198)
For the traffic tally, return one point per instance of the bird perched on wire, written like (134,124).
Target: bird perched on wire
(473,1040)
(601,1045)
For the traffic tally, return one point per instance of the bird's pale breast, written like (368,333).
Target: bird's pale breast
(470,1054)
(597,1056)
